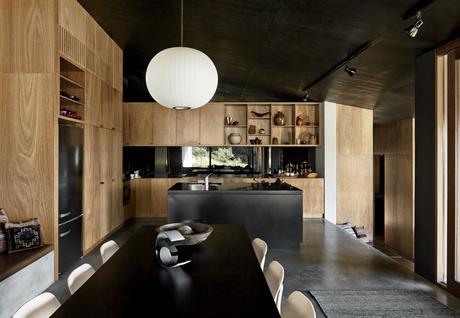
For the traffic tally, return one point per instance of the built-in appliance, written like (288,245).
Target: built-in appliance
(70,195)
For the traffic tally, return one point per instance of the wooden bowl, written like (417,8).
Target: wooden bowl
(200,231)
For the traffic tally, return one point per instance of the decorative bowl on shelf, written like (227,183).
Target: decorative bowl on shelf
(235,138)
(194,233)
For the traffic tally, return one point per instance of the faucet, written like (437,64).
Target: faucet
(206,181)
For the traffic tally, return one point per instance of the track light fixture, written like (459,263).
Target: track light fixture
(350,70)
(305,98)
(412,29)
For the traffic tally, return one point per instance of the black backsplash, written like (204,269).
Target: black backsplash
(167,161)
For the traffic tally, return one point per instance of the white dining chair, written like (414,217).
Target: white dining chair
(298,306)
(79,276)
(42,306)
(275,277)
(260,248)
(108,249)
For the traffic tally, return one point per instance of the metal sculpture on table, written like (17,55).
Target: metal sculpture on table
(166,250)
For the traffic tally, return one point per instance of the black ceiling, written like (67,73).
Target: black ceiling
(269,50)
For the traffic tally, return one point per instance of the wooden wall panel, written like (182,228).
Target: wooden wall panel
(27,148)
(212,124)
(355,167)
(396,141)
(28,40)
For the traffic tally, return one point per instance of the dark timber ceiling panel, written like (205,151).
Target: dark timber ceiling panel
(269,50)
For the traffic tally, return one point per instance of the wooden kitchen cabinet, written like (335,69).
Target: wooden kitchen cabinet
(140,125)
(313,195)
(150,196)
(93,98)
(188,127)
(92,188)
(103,184)
(117,110)
(107,118)
(212,124)
(164,125)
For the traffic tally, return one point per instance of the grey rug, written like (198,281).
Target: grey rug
(380,303)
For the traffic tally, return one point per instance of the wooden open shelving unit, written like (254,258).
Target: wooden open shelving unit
(289,134)
(72,83)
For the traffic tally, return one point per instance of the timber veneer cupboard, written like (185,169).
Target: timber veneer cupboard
(50,46)
(149,124)
(88,47)
(149,196)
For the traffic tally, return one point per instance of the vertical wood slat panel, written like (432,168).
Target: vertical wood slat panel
(71,47)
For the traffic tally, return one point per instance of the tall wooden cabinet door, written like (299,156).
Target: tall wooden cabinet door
(106,164)
(142,197)
(92,187)
(117,110)
(117,57)
(117,179)
(93,98)
(212,124)
(107,119)
(90,43)
(164,125)
(188,127)
(125,124)
(103,56)
(140,124)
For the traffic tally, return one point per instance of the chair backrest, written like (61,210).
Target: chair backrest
(108,249)
(298,306)
(275,277)
(260,248)
(42,306)
(79,276)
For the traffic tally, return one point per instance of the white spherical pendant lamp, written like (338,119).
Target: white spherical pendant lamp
(181,78)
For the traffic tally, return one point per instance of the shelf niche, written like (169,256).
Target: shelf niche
(72,83)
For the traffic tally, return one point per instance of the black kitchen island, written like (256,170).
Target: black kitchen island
(271,211)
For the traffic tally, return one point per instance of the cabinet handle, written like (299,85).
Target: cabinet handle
(113,180)
(102,182)
(63,215)
(65,233)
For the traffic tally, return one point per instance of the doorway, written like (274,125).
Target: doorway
(379,198)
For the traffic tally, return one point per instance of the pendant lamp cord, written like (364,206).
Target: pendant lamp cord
(181,23)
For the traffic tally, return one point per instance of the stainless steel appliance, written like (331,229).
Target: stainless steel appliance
(70,195)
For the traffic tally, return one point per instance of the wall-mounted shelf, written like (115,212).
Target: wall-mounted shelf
(290,134)
(67,82)
(72,83)
(69,119)
(69,101)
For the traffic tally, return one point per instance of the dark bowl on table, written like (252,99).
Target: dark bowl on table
(200,231)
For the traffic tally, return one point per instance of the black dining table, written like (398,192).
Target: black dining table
(224,279)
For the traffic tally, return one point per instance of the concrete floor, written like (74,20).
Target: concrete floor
(327,259)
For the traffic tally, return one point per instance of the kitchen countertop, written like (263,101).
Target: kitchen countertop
(223,176)
(234,187)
